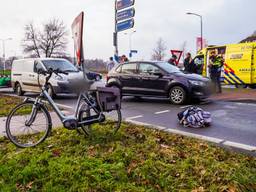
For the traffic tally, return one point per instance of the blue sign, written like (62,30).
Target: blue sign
(122,4)
(126,14)
(125,25)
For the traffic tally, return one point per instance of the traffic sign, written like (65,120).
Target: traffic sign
(125,25)
(178,54)
(122,4)
(126,14)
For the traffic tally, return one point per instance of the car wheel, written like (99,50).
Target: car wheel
(177,95)
(253,86)
(18,90)
(240,86)
(50,91)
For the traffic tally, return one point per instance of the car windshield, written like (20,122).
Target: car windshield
(168,67)
(62,65)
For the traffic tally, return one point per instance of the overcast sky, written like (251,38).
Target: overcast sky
(225,21)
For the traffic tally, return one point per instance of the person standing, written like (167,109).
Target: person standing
(172,60)
(110,64)
(215,64)
(189,64)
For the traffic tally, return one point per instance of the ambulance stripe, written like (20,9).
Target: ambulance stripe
(237,78)
(226,81)
(229,81)
(230,77)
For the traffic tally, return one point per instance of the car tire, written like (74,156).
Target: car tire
(18,90)
(177,95)
(253,86)
(50,91)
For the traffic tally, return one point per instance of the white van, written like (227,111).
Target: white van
(25,79)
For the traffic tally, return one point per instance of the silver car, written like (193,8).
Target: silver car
(25,79)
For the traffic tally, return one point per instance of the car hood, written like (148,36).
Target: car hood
(191,76)
(72,75)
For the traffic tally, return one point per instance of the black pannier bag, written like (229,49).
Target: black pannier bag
(109,98)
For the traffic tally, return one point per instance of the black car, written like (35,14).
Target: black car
(158,79)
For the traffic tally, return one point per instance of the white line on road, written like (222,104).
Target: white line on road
(134,117)
(186,106)
(246,104)
(160,112)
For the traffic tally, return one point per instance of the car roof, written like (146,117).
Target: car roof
(40,58)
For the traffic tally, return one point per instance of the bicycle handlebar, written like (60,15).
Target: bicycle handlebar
(50,71)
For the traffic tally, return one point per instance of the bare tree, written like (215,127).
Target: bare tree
(31,41)
(159,51)
(50,42)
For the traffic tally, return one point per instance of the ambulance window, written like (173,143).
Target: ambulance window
(199,64)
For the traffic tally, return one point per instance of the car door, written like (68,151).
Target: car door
(28,76)
(152,81)
(129,78)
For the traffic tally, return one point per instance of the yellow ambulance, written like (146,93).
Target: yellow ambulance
(239,63)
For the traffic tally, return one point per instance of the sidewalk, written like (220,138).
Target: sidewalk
(238,95)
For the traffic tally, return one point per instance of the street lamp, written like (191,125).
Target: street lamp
(130,40)
(201,20)
(3,42)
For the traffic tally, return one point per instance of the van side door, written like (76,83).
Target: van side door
(29,77)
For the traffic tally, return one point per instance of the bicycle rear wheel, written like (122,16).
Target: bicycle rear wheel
(21,132)
(113,120)
(84,111)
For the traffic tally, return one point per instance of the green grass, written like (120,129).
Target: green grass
(135,159)
(7,103)
(6,72)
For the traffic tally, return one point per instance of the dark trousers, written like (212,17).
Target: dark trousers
(216,84)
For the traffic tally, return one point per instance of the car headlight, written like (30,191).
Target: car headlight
(60,78)
(197,83)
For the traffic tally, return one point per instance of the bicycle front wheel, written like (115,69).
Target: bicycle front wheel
(23,130)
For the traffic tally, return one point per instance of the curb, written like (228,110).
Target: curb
(239,146)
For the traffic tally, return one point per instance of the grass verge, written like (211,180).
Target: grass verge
(135,159)
(7,103)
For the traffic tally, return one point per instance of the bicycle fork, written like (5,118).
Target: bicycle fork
(32,116)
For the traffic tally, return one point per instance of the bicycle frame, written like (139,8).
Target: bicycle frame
(73,119)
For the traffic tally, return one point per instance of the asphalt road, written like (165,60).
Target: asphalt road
(233,124)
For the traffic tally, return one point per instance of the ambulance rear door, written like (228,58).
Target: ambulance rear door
(238,64)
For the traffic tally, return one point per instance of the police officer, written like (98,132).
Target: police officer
(215,64)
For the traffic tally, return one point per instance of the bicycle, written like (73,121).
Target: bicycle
(35,126)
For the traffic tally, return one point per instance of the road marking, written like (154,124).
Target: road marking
(160,112)
(240,146)
(137,122)
(246,104)
(186,106)
(134,117)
